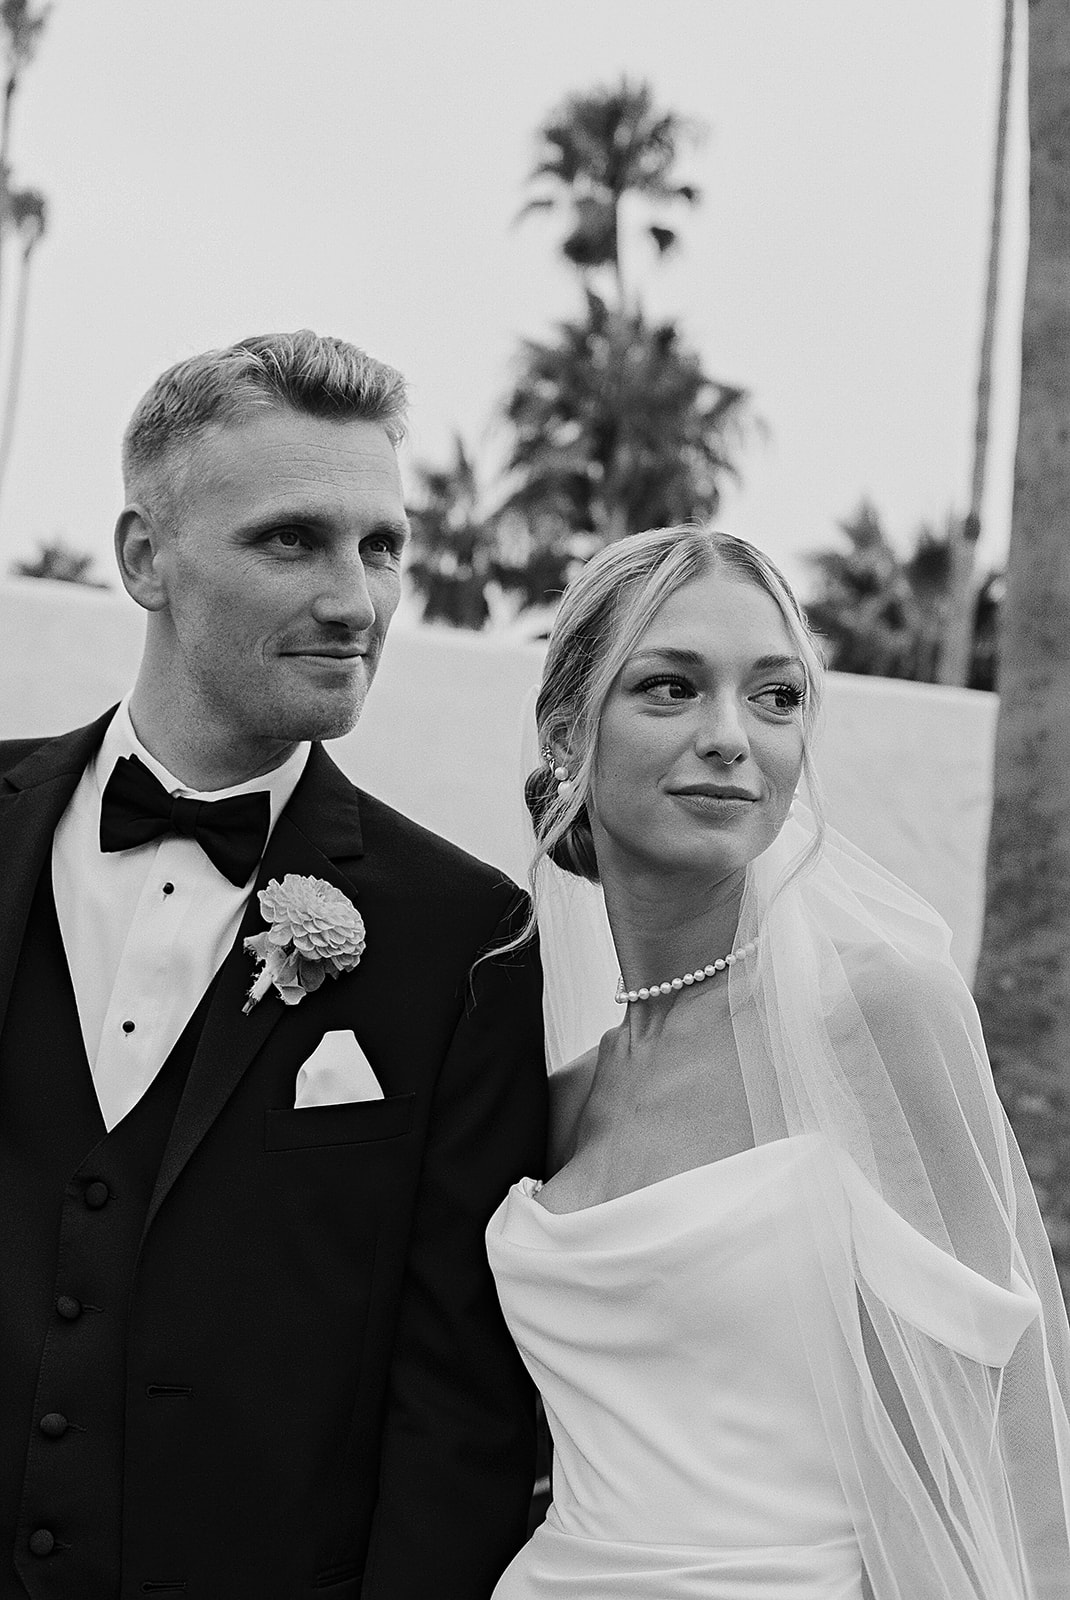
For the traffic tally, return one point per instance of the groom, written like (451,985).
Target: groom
(249,1343)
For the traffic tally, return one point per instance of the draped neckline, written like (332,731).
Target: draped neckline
(528,1188)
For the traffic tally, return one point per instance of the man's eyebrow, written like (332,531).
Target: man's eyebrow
(314,517)
(285,516)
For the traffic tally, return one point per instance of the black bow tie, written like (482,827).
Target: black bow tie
(136,808)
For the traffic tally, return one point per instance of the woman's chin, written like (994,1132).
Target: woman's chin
(686,863)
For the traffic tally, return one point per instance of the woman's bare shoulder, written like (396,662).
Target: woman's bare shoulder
(570,1087)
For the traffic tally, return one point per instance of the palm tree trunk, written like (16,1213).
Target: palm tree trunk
(5,168)
(954,662)
(618,263)
(14,369)
(1023,980)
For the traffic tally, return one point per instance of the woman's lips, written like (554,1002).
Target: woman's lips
(711,803)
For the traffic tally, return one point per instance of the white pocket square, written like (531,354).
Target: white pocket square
(336,1073)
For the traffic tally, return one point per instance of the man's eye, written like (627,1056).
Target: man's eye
(289,538)
(382,545)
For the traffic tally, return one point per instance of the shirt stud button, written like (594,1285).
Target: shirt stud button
(97,1194)
(53,1425)
(128,1026)
(69,1308)
(168,888)
(42,1542)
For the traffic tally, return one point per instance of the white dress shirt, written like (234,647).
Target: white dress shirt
(144,929)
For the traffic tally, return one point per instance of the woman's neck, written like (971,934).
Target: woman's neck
(667,924)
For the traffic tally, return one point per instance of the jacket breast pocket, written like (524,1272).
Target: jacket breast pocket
(317,1127)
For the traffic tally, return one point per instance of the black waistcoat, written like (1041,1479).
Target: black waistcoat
(73,1200)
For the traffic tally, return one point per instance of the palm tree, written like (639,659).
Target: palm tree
(20,32)
(617,427)
(453,543)
(22,211)
(885,616)
(56,560)
(955,652)
(863,607)
(1023,978)
(597,148)
(27,212)
(615,423)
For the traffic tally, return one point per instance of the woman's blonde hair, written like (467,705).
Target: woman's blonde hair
(603,614)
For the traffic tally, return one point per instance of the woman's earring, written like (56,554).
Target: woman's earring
(560,772)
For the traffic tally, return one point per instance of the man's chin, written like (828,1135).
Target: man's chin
(333,726)
(329,718)
(336,729)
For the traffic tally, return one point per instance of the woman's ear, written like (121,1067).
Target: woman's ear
(558,746)
(138,546)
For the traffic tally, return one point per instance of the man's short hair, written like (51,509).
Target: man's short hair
(308,372)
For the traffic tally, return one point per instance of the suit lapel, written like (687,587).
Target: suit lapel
(317,834)
(34,796)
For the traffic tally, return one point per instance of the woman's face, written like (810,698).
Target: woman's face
(700,744)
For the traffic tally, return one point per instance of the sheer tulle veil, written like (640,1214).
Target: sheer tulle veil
(943,1365)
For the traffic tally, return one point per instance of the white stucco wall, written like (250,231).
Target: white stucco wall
(906,768)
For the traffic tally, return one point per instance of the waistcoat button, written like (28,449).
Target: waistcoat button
(42,1543)
(68,1307)
(53,1425)
(97,1194)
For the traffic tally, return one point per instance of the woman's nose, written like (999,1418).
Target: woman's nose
(723,736)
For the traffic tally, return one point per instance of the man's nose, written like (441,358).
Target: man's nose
(345,598)
(723,735)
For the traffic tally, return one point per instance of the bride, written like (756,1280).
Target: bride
(786,1293)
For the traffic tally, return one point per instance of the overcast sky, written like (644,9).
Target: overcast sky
(218,167)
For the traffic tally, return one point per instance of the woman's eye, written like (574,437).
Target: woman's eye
(784,697)
(288,538)
(666,690)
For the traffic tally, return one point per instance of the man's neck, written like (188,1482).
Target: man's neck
(204,764)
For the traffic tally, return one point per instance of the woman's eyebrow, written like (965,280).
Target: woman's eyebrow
(778,663)
(683,658)
(694,658)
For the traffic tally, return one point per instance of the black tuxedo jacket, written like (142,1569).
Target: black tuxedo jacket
(362,1425)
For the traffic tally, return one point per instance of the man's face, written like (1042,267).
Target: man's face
(281,570)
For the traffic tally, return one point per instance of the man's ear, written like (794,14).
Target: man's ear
(138,545)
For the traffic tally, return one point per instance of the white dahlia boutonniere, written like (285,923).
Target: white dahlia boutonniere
(314,933)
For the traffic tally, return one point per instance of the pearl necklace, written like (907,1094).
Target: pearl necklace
(626,997)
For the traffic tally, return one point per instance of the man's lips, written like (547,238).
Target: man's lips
(334,652)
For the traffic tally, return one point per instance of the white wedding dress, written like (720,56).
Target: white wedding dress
(837,1363)
(661,1327)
